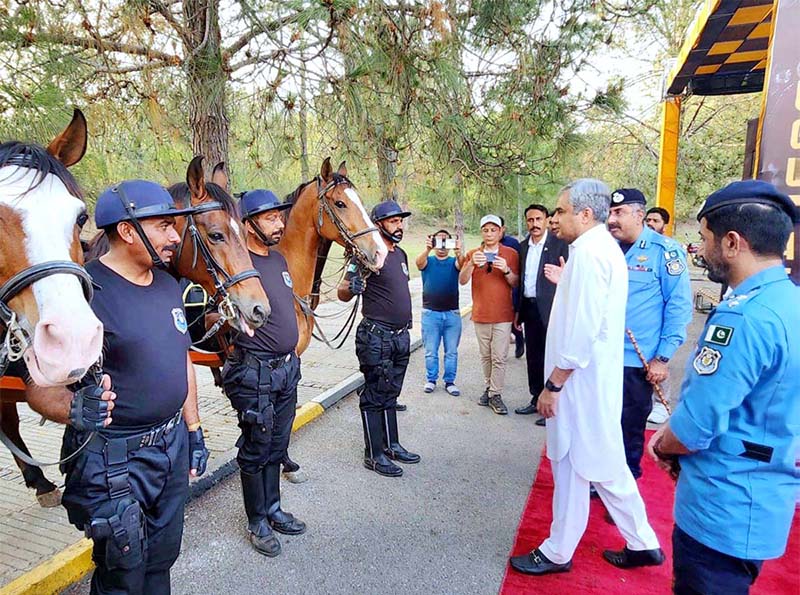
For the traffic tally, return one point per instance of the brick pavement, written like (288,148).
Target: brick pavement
(29,534)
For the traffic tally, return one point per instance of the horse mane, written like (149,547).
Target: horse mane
(36,157)
(295,194)
(95,247)
(182,196)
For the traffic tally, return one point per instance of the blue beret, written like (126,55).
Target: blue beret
(749,192)
(254,202)
(627,196)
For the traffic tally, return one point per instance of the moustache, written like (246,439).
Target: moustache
(170,248)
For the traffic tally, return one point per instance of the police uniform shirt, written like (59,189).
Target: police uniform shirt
(659,297)
(145,342)
(740,412)
(387,297)
(279,334)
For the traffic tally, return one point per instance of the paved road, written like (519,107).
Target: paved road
(446,526)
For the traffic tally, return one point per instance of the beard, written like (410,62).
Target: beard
(718,272)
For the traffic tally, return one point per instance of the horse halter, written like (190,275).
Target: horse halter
(222,280)
(351,249)
(16,339)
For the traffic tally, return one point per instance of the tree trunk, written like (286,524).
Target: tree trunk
(458,209)
(207,82)
(387,169)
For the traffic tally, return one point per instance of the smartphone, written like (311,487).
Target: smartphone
(439,243)
(490,256)
(450,243)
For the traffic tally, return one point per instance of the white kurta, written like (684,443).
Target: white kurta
(586,334)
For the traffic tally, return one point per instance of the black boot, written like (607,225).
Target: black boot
(374,458)
(393,449)
(255,505)
(279,520)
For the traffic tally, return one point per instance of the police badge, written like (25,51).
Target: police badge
(675,267)
(405,268)
(179,320)
(287,279)
(707,361)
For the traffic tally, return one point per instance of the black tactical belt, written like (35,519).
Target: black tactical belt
(100,441)
(384,330)
(252,360)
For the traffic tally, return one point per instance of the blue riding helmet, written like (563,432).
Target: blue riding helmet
(386,209)
(254,202)
(134,199)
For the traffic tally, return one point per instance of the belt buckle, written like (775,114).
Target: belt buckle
(147,439)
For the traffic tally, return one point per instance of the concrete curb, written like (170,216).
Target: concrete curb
(72,563)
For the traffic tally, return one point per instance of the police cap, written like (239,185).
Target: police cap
(134,199)
(386,209)
(749,192)
(627,196)
(254,202)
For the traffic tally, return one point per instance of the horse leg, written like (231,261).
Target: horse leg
(47,493)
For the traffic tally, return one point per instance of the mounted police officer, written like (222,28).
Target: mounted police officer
(658,309)
(260,378)
(736,427)
(383,345)
(128,487)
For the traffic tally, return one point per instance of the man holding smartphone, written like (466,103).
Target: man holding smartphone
(441,318)
(492,268)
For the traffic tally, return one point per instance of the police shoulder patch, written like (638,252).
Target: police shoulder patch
(706,362)
(719,335)
(675,267)
(287,279)
(405,268)
(179,320)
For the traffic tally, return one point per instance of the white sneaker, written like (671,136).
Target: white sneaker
(429,387)
(659,414)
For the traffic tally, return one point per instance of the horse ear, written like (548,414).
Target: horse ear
(342,169)
(219,177)
(326,171)
(70,146)
(195,178)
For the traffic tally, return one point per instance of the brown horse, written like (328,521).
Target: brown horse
(48,330)
(326,209)
(213,255)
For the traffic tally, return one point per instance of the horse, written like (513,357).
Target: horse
(325,209)
(211,254)
(49,332)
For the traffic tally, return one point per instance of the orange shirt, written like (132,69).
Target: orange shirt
(491,293)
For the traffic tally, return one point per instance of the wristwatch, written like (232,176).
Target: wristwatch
(553,388)
(662,359)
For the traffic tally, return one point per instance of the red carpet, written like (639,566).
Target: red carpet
(592,574)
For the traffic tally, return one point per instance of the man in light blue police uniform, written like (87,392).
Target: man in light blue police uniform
(736,427)
(658,310)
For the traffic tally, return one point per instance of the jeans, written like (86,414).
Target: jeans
(437,327)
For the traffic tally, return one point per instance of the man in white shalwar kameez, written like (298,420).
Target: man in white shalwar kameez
(582,399)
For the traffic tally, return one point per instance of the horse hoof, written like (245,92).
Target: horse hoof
(49,499)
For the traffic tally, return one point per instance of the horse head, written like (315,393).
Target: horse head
(214,254)
(47,319)
(343,218)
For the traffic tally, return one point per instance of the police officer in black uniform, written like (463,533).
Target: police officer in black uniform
(128,487)
(260,378)
(383,343)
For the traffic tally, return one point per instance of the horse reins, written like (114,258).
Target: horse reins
(222,280)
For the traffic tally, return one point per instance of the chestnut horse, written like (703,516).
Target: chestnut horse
(212,254)
(48,330)
(326,209)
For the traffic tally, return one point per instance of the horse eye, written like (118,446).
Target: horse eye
(82,219)
(340,204)
(215,236)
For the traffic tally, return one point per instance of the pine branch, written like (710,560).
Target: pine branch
(102,46)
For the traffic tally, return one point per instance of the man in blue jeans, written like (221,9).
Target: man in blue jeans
(441,318)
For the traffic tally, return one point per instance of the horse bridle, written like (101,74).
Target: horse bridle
(351,248)
(17,339)
(222,280)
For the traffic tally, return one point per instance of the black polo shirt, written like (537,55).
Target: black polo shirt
(279,334)
(145,341)
(387,297)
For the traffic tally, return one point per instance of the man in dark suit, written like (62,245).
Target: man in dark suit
(540,248)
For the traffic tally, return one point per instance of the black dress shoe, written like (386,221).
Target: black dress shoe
(519,351)
(397,453)
(527,410)
(626,558)
(536,563)
(542,422)
(400,407)
(286,523)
